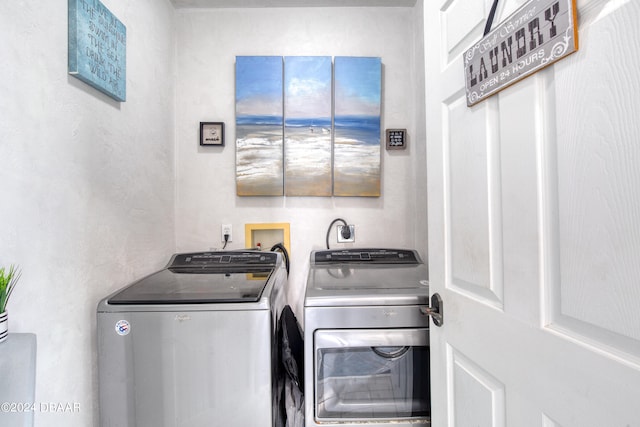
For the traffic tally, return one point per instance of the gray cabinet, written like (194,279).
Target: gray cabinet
(17,380)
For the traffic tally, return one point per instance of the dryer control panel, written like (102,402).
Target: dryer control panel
(373,256)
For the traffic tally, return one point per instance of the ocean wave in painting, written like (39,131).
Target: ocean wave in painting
(257,120)
(309,123)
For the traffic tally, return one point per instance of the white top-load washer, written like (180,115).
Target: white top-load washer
(366,339)
(193,344)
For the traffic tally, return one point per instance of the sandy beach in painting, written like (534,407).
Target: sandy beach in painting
(356,152)
(307,160)
(259,162)
(302,165)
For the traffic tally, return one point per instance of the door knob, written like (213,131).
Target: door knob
(436,310)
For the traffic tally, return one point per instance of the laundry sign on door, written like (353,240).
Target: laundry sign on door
(538,34)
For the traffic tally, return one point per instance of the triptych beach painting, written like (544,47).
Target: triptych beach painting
(305,129)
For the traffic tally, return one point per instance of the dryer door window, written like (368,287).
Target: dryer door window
(371,375)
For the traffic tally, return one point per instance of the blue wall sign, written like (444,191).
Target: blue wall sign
(98,47)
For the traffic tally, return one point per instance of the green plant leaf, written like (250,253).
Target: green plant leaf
(8,283)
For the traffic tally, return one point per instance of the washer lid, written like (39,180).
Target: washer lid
(170,287)
(200,278)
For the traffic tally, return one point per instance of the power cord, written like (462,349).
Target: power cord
(226,240)
(280,247)
(346,232)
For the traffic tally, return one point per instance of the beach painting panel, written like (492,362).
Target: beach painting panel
(307,126)
(259,126)
(356,151)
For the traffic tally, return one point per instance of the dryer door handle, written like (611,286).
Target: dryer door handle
(436,311)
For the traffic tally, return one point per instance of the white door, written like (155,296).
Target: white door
(534,227)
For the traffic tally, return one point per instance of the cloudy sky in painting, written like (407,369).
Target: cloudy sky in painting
(358,86)
(307,86)
(259,85)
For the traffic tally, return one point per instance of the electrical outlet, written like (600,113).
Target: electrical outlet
(224,230)
(352,232)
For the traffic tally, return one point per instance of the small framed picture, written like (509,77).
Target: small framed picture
(212,133)
(396,139)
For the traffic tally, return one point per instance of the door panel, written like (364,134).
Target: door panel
(467,172)
(520,209)
(534,200)
(468,226)
(597,205)
(457,17)
(477,397)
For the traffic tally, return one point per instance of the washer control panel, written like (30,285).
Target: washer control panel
(223,259)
